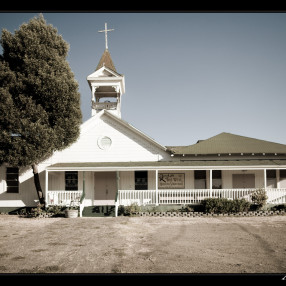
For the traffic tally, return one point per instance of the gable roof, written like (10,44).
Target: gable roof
(227,143)
(106,61)
(85,127)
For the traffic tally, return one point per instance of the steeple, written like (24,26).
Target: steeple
(106,58)
(106,61)
(106,84)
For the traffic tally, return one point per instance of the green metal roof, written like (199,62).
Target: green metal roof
(227,143)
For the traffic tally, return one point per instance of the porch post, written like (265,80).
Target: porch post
(116,197)
(81,206)
(156,190)
(265,179)
(211,183)
(46,187)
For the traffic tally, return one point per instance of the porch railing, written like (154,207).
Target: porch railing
(63,197)
(104,105)
(192,196)
(276,196)
(182,196)
(141,197)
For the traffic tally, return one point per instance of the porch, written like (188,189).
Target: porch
(93,185)
(166,197)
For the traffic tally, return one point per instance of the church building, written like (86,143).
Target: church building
(112,163)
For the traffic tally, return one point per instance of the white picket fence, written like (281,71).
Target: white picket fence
(192,196)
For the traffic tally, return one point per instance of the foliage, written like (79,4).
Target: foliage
(36,212)
(281,207)
(56,210)
(259,198)
(73,206)
(240,205)
(222,205)
(39,98)
(129,210)
(187,208)
(51,211)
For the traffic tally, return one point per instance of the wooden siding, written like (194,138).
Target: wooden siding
(227,177)
(127,181)
(27,195)
(126,145)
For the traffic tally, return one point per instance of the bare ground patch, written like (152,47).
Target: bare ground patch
(143,245)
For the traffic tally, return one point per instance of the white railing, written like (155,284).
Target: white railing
(276,196)
(63,197)
(104,105)
(195,196)
(141,197)
(192,196)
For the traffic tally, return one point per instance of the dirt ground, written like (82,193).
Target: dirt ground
(143,245)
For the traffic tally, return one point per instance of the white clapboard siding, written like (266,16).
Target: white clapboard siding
(27,195)
(227,177)
(126,145)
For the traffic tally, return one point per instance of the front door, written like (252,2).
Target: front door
(105,188)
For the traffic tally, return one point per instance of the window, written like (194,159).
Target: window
(216,179)
(141,180)
(282,174)
(200,179)
(271,178)
(12,180)
(104,143)
(71,181)
(282,181)
(271,174)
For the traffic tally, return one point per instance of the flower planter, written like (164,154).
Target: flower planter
(71,213)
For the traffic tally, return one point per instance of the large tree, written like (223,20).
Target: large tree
(39,99)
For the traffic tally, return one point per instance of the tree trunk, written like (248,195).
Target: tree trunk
(38,184)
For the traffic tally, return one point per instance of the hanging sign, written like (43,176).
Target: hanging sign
(171,181)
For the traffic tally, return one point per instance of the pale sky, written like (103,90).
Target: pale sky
(188,76)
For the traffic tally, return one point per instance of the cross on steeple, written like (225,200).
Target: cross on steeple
(105,31)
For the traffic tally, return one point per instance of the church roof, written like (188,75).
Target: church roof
(106,61)
(227,143)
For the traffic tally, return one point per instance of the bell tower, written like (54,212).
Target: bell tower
(106,84)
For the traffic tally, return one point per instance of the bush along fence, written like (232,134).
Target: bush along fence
(41,212)
(210,207)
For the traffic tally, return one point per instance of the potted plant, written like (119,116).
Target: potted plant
(71,211)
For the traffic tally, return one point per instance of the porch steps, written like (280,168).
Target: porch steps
(99,211)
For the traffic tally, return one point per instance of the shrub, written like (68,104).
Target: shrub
(129,210)
(259,198)
(222,205)
(187,208)
(215,205)
(281,207)
(240,205)
(36,212)
(56,210)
